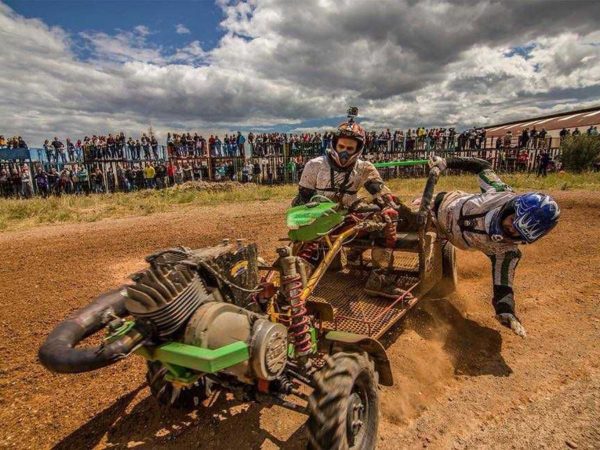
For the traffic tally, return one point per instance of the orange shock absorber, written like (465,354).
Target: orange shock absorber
(291,283)
(299,328)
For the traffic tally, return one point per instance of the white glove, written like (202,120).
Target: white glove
(437,161)
(510,321)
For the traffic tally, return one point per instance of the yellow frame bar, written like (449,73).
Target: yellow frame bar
(320,270)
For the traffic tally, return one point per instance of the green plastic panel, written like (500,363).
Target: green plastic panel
(310,221)
(197,358)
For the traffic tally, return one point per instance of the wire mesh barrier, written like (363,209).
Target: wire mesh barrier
(128,168)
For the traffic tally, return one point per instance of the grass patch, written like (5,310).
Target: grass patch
(21,214)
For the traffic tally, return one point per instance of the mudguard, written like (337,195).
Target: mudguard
(349,341)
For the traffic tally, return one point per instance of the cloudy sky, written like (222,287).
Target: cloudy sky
(78,67)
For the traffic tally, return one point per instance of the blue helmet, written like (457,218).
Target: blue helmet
(535,215)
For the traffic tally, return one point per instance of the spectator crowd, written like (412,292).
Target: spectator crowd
(118,147)
(17,181)
(102,148)
(272,144)
(114,162)
(15,142)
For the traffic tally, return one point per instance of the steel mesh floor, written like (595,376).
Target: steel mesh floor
(357,312)
(406,262)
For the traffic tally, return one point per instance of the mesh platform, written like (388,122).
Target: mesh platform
(355,311)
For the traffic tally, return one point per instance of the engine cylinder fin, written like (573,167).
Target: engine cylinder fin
(140,297)
(142,285)
(154,283)
(176,313)
(160,273)
(185,273)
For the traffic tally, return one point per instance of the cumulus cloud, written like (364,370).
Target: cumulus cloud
(404,63)
(123,46)
(182,29)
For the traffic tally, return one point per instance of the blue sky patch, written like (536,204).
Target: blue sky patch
(201,18)
(523,50)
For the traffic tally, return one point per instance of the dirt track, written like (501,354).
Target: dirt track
(461,381)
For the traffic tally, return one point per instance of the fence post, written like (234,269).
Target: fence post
(285,162)
(210,167)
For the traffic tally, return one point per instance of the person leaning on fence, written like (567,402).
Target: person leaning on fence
(26,184)
(178,175)
(130,175)
(149,174)
(41,182)
(15,181)
(4,182)
(66,183)
(110,179)
(52,180)
(97,179)
(161,175)
(83,180)
(187,172)
(544,162)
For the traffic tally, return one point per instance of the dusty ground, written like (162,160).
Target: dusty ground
(461,381)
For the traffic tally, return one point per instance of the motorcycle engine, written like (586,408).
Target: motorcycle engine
(190,296)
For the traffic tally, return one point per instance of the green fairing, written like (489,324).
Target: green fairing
(313,220)
(198,358)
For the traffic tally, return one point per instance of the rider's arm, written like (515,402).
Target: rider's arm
(307,187)
(374,185)
(488,179)
(371,179)
(503,272)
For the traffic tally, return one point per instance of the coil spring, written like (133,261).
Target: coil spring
(309,252)
(299,328)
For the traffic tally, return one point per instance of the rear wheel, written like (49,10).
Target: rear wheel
(344,407)
(447,285)
(167,394)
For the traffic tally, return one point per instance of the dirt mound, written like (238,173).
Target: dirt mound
(211,186)
(460,380)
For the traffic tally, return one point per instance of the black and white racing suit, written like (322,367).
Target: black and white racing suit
(464,219)
(321,177)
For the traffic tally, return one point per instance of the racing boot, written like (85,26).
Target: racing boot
(381,284)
